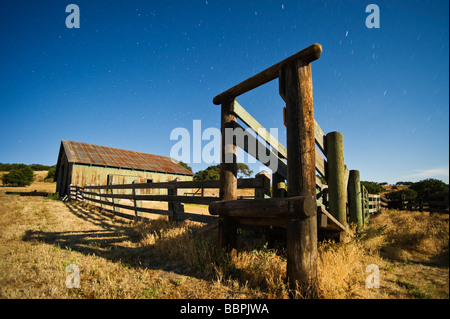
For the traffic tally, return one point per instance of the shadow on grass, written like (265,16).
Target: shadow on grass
(115,240)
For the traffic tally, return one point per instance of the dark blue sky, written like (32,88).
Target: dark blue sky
(135,70)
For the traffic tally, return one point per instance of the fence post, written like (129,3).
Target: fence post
(228,177)
(70,193)
(295,83)
(354,199)
(278,186)
(84,195)
(101,191)
(115,201)
(137,203)
(264,178)
(173,206)
(337,191)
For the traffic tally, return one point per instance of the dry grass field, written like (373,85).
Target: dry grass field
(120,258)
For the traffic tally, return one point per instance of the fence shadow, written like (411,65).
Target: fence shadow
(115,240)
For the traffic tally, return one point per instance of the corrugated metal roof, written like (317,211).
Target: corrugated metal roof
(83,153)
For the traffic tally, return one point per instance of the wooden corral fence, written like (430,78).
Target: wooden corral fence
(435,203)
(300,203)
(372,203)
(306,206)
(107,197)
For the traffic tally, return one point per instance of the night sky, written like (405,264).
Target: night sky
(136,70)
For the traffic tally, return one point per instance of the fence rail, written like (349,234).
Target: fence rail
(107,196)
(436,203)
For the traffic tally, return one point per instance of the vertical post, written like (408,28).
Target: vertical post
(337,190)
(83,194)
(174,207)
(296,89)
(354,199)
(264,178)
(228,176)
(171,204)
(137,203)
(278,186)
(115,201)
(100,193)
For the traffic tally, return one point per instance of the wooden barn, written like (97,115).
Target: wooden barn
(87,164)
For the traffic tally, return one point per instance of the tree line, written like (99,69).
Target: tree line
(23,175)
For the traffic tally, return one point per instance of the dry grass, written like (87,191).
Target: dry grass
(119,258)
(38,185)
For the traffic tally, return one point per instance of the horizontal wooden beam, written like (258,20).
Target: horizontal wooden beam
(307,55)
(300,206)
(241,183)
(327,221)
(241,113)
(244,139)
(158,198)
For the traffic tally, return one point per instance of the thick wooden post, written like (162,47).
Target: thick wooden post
(354,199)
(228,176)
(296,90)
(278,186)
(261,192)
(337,190)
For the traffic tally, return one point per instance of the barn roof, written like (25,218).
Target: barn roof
(90,154)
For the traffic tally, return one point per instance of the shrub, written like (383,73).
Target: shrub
(19,177)
(51,173)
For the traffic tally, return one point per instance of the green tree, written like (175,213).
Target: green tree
(407,193)
(40,167)
(429,186)
(185,165)
(372,187)
(19,177)
(212,173)
(244,170)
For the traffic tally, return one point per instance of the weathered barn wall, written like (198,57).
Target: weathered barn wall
(96,175)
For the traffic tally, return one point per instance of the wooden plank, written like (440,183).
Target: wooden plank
(307,55)
(244,140)
(240,112)
(241,183)
(319,137)
(332,223)
(160,198)
(131,208)
(320,163)
(288,207)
